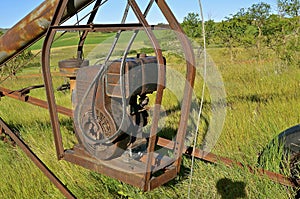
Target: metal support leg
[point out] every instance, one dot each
(64, 190)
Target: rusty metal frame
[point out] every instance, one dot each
(190, 78)
(85, 33)
(48, 79)
(145, 179)
(213, 158)
(202, 155)
(107, 27)
(32, 100)
(77, 155)
(12, 42)
(149, 181)
(159, 94)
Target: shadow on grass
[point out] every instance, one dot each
(231, 190)
(262, 98)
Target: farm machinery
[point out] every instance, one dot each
(109, 100)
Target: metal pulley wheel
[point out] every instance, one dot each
(97, 124)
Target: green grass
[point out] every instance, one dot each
(262, 100)
(63, 39)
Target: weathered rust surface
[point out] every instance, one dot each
(160, 87)
(47, 17)
(34, 26)
(213, 158)
(190, 77)
(49, 37)
(31, 100)
(26, 31)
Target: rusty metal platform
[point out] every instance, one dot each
(131, 172)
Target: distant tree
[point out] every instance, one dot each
(16, 64)
(243, 24)
(254, 27)
(242, 15)
(192, 25)
(289, 7)
(282, 32)
(229, 33)
(245, 29)
(210, 30)
(282, 38)
(258, 15)
(275, 32)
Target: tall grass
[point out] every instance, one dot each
(262, 100)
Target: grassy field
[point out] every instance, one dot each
(262, 100)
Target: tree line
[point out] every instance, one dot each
(254, 28)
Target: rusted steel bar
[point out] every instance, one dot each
(64, 190)
(107, 27)
(34, 26)
(190, 77)
(48, 79)
(212, 158)
(29, 29)
(160, 88)
(114, 168)
(31, 100)
(27, 90)
(85, 33)
(162, 179)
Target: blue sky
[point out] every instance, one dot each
(13, 10)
